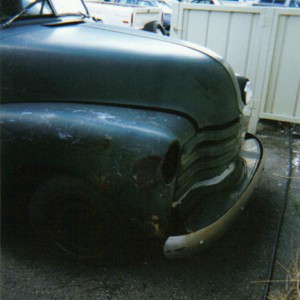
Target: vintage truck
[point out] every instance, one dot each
(110, 133)
(162, 4)
(137, 17)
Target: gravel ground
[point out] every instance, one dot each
(235, 267)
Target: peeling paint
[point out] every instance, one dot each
(76, 141)
(48, 116)
(64, 135)
(104, 116)
(78, 111)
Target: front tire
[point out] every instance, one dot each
(155, 28)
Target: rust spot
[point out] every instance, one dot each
(145, 170)
(155, 227)
(101, 182)
(107, 142)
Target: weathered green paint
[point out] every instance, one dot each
(120, 151)
(115, 110)
(93, 64)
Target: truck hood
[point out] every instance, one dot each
(94, 63)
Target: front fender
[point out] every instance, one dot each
(118, 150)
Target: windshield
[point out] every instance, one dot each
(13, 10)
(39, 8)
(60, 7)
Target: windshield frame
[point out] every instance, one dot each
(40, 9)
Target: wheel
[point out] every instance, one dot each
(71, 215)
(155, 28)
(159, 31)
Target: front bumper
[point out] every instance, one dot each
(185, 245)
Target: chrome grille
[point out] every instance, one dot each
(207, 155)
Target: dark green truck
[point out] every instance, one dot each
(108, 132)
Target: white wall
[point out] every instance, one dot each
(262, 43)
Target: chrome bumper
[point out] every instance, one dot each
(185, 245)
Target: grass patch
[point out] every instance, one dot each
(291, 291)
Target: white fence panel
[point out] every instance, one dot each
(283, 90)
(261, 43)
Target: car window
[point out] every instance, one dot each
(202, 1)
(163, 4)
(125, 2)
(295, 3)
(144, 3)
(274, 2)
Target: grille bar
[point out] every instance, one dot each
(207, 155)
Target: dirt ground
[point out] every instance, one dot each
(235, 267)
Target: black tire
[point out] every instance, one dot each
(71, 215)
(155, 28)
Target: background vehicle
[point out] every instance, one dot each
(165, 6)
(214, 2)
(110, 134)
(110, 13)
(280, 3)
(225, 2)
(239, 2)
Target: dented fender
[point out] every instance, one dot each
(119, 150)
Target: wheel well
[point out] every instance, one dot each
(18, 186)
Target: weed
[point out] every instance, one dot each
(291, 291)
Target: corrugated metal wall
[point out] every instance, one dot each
(260, 42)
